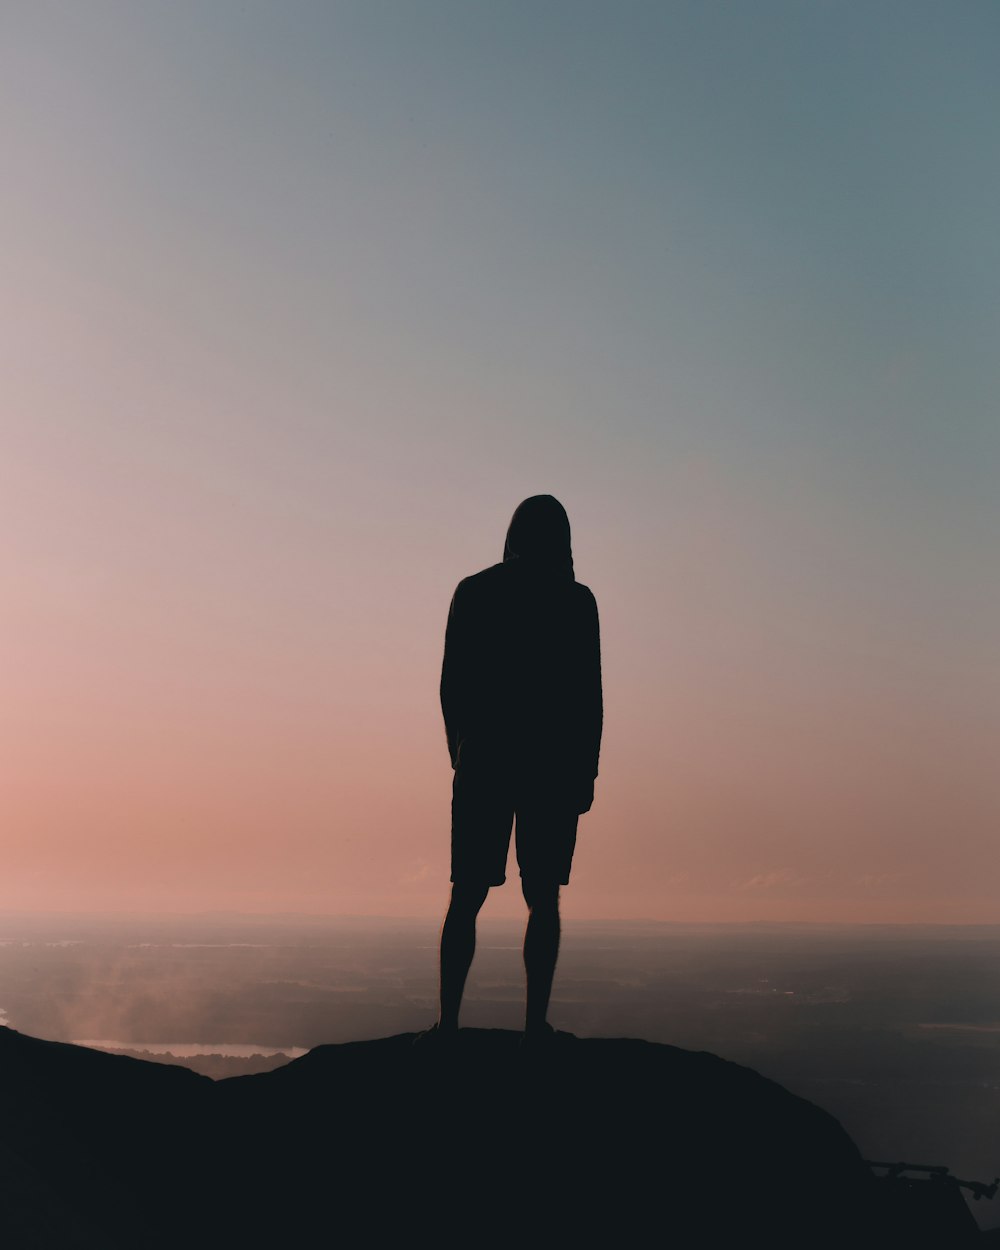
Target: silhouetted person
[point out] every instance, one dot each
(522, 702)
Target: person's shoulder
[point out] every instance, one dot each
(480, 583)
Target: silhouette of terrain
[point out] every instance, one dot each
(589, 1142)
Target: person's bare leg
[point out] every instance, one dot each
(541, 950)
(458, 945)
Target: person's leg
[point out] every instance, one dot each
(458, 945)
(541, 950)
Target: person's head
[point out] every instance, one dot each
(538, 537)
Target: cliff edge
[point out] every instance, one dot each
(589, 1142)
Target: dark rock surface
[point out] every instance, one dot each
(593, 1142)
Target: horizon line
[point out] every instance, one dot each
(234, 914)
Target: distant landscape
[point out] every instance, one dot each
(893, 1029)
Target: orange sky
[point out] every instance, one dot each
(297, 314)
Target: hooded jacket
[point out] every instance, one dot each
(521, 678)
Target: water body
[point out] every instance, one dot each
(195, 946)
(191, 1050)
(965, 1028)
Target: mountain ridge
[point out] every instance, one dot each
(592, 1140)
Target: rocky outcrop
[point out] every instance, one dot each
(593, 1142)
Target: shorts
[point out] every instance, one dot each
(483, 808)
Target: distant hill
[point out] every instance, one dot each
(609, 1142)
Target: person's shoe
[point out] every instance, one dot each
(538, 1040)
(435, 1037)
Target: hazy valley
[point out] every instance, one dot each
(893, 1029)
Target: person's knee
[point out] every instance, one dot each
(541, 896)
(467, 898)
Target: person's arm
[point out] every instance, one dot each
(454, 673)
(592, 702)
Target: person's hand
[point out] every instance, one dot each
(585, 796)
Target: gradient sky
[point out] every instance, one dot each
(301, 299)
